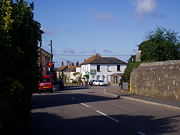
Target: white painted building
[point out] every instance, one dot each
(69, 72)
(103, 68)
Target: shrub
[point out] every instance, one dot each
(126, 76)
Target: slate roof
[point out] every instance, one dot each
(96, 59)
(62, 68)
(71, 69)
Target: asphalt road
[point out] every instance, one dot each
(89, 111)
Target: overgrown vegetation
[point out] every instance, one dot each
(131, 65)
(160, 45)
(19, 36)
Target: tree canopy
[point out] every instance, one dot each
(160, 45)
(19, 36)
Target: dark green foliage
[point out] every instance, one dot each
(178, 49)
(131, 65)
(132, 58)
(126, 76)
(159, 51)
(159, 46)
(19, 36)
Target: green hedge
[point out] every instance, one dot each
(126, 76)
(19, 36)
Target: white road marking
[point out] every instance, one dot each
(141, 133)
(73, 98)
(108, 116)
(84, 105)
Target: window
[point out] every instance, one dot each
(98, 68)
(118, 68)
(45, 80)
(109, 68)
(98, 77)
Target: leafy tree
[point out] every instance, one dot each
(159, 46)
(19, 36)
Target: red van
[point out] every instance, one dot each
(46, 83)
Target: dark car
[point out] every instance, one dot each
(60, 84)
(91, 82)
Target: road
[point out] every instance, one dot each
(89, 111)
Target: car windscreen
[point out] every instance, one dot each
(45, 80)
(101, 81)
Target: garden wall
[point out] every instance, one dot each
(157, 79)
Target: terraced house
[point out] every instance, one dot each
(109, 69)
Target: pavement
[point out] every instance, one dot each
(149, 100)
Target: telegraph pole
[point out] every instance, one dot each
(41, 56)
(51, 50)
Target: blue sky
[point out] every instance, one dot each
(81, 28)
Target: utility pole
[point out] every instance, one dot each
(51, 50)
(40, 49)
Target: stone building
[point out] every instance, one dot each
(44, 58)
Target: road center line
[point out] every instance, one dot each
(141, 133)
(84, 105)
(108, 116)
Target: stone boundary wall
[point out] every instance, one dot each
(157, 79)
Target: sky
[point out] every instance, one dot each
(112, 28)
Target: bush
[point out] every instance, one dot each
(126, 76)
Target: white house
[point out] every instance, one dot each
(109, 69)
(69, 72)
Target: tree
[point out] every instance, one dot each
(19, 36)
(160, 45)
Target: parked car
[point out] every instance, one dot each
(60, 84)
(91, 82)
(46, 83)
(99, 83)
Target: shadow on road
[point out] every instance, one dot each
(75, 88)
(46, 124)
(59, 99)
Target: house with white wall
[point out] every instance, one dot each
(60, 71)
(69, 73)
(109, 69)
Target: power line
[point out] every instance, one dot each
(91, 54)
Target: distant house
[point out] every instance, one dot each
(60, 71)
(109, 69)
(69, 72)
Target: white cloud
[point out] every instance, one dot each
(144, 7)
(107, 51)
(68, 51)
(104, 16)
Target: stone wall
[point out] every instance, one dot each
(157, 79)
